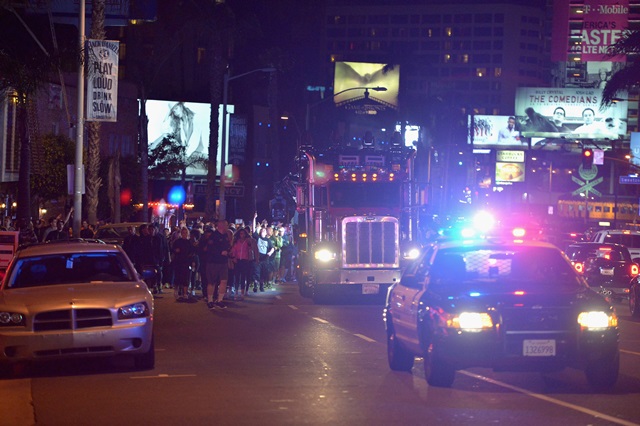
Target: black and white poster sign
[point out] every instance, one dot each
(102, 80)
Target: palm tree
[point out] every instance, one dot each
(629, 76)
(94, 181)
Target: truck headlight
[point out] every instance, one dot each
(325, 255)
(597, 320)
(411, 253)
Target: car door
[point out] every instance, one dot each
(404, 301)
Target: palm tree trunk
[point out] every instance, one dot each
(218, 66)
(93, 152)
(24, 172)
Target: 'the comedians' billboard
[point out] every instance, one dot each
(189, 123)
(351, 79)
(569, 113)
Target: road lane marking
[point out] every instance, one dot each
(295, 308)
(584, 410)
(630, 352)
(164, 376)
(365, 338)
(320, 320)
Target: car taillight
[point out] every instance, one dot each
(635, 270)
(579, 267)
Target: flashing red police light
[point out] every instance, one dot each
(587, 158)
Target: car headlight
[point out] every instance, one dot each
(597, 320)
(11, 319)
(137, 310)
(471, 321)
(325, 255)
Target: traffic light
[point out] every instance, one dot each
(587, 158)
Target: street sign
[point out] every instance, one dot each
(234, 191)
(630, 180)
(587, 186)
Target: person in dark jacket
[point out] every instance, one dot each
(183, 252)
(216, 251)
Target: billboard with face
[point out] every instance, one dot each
(569, 113)
(188, 122)
(497, 131)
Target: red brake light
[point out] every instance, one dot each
(579, 267)
(635, 270)
(518, 292)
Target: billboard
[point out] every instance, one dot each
(351, 78)
(510, 167)
(189, 123)
(571, 113)
(496, 131)
(601, 23)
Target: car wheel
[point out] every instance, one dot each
(633, 305)
(399, 358)
(437, 372)
(305, 289)
(147, 360)
(602, 374)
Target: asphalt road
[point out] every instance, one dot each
(277, 359)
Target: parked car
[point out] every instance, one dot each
(115, 233)
(629, 239)
(506, 305)
(72, 299)
(608, 268)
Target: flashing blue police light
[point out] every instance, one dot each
(177, 195)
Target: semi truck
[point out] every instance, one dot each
(358, 215)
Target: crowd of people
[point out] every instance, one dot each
(218, 259)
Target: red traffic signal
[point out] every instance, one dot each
(587, 158)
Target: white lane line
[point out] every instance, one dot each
(587, 411)
(630, 352)
(163, 376)
(320, 320)
(365, 338)
(295, 308)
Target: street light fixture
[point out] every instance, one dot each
(223, 152)
(366, 89)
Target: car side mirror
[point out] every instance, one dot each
(148, 272)
(411, 281)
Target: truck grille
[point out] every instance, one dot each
(370, 242)
(72, 319)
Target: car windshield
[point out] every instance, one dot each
(629, 240)
(605, 253)
(111, 232)
(503, 270)
(74, 268)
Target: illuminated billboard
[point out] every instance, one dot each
(510, 167)
(189, 123)
(570, 113)
(351, 79)
(496, 131)
(601, 23)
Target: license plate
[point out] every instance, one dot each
(608, 272)
(370, 289)
(539, 348)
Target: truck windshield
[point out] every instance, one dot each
(365, 194)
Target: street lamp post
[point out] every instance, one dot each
(223, 152)
(309, 106)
